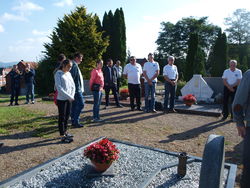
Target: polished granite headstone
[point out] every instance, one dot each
(212, 167)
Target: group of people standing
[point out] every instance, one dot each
(70, 87)
(16, 76)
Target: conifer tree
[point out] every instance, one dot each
(219, 55)
(75, 32)
(195, 58)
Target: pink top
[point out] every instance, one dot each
(96, 78)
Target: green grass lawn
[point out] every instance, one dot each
(17, 118)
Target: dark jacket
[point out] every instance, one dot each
(15, 79)
(76, 76)
(29, 77)
(107, 81)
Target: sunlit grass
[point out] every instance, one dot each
(17, 118)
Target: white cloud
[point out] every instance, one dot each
(28, 49)
(26, 6)
(63, 3)
(11, 17)
(1, 28)
(40, 33)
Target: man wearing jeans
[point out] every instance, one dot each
(133, 71)
(29, 77)
(170, 74)
(241, 111)
(78, 103)
(151, 70)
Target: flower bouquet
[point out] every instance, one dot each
(189, 99)
(124, 93)
(102, 154)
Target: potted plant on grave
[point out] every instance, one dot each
(124, 94)
(102, 154)
(189, 99)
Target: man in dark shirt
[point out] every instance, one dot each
(15, 76)
(110, 82)
(29, 77)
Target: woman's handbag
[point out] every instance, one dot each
(96, 87)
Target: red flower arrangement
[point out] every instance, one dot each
(103, 151)
(124, 93)
(189, 98)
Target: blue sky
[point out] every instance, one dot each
(26, 24)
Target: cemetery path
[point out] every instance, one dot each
(173, 132)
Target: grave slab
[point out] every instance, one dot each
(136, 166)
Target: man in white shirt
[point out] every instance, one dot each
(133, 71)
(231, 79)
(170, 74)
(118, 68)
(151, 70)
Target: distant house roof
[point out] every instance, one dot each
(4, 70)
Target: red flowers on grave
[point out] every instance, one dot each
(102, 154)
(189, 99)
(124, 93)
(103, 151)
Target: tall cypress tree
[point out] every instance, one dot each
(107, 26)
(195, 58)
(219, 55)
(192, 49)
(117, 36)
(98, 24)
(123, 39)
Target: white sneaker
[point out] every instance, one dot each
(33, 102)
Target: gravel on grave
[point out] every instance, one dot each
(168, 177)
(133, 167)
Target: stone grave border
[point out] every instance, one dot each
(232, 168)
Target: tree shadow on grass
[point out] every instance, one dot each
(192, 133)
(38, 132)
(18, 124)
(8, 149)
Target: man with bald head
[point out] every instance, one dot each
(231, 79)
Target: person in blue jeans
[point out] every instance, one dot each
(96, 84)
(29, 77)
(151, 70)
(241, 115)
(170, 74)
(78, 103)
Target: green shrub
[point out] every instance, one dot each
(180, 85)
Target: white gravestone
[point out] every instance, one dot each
(198, 87)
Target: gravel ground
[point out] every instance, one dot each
(174, 132)
(132, 168)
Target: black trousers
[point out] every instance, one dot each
(135, 93)
(245, 178)
(64, 108)
(118, 85)
(15, 91)
(227, 95)
(114, 91)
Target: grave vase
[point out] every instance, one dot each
(189, 103)
(101, 167)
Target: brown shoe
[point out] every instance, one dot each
(172, 111)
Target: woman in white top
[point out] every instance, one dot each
(65, 87)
